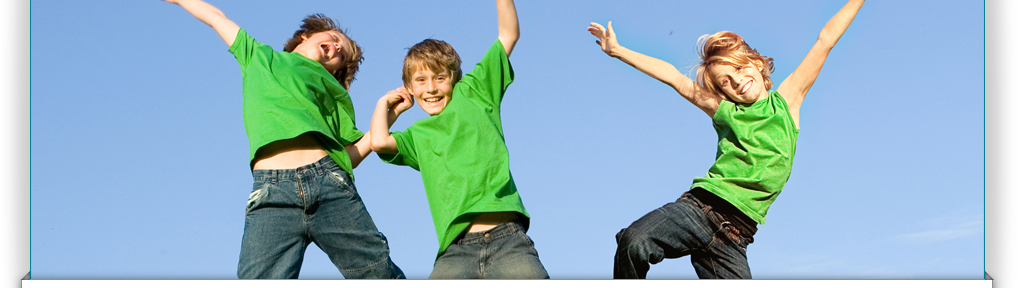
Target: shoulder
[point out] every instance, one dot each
(493, 57)
(723, 110)
(779, 102)
(242, 40)
(778, 98)
(244, 45)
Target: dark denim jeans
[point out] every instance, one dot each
(318, 203)
(504, 252)
(707, 229)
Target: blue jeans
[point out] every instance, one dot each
(290, 208)
(708, 229)
(504, 252)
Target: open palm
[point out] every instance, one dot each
(605, 37)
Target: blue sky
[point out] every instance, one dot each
(139, 157)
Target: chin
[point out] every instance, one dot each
(439, 111)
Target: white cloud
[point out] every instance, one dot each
(959, 230)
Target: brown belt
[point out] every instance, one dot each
(724, 212)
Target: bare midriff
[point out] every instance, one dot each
(486, 221)
(289, 153)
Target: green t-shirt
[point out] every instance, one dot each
(287, 94)
(756, 144)
(461, 152)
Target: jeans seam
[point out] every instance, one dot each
(369, 267)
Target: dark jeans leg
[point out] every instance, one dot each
(678, 229)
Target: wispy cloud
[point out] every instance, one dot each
(954, 231)
(821, 266)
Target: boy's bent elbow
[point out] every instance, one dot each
(377, 147)
(382, 146)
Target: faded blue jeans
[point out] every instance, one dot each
(290, 208)
(712, 232)
(504, 252)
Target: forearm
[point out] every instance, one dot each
(795, 87)
(359, 149)
(381, 140)
(213, 17)
(656, 68)
(508, 25)
(836, 27)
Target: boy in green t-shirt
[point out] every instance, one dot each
(715, 221)
(304, 146)
(461, 154)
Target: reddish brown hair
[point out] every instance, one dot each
(320, 23)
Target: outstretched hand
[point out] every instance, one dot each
(605, 37)
(211, 16)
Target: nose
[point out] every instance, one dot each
(430, 86)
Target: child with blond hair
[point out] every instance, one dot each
(757, 131)
(461, 153)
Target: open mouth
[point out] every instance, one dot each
(327, 50)
(746, 86)
(433, 99)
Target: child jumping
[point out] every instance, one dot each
(461, 154)
(303, 145)
(716, 219)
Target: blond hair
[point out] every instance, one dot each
(728, 48)
(436, 55)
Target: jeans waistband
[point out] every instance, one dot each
(321, 167)
(500, 230)
(710, 202)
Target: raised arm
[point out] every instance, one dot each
(656, 68)
(508, 25)
(211, 16)
(794, 88)
(386, 111)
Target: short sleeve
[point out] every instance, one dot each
(244, 48)
(491, 76)
(407, 154)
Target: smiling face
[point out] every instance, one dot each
(327, 47)
(741, 83)
(730, 68)
(432, 91)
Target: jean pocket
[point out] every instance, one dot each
(253, 198)
(525, 243)
(341, 180)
